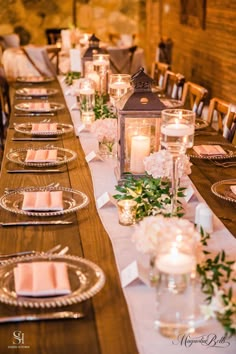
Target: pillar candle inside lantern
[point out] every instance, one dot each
(140, 148)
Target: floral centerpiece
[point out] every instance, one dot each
(153, 191)
(106, 132)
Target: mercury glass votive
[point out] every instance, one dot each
(127, 211)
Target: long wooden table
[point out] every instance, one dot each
(106, 327)
(205, 174)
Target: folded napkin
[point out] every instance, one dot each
(41, 155)
(209, 150)
(43, 201)
(35, 78)
(35, 91)
(41, 279)
(233, 189)
(44, 127)
(39, 106)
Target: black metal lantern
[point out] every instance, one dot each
(87, 59)
(139, 118)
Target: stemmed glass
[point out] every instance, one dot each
(177, 135)
(119, 84)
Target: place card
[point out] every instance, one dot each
(81, 128)
(233, 189)
(75, 107)
(188, 193)
(133, 273)
(105, 199)
(92, 156)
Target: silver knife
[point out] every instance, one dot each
(34, 114)
(31, 98)
(32, 222)
(35, 171)
(43, 316)
(34, 139)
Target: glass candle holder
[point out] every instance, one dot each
(87, 101)
(127, 211)
(101, 66)
(177, 135)
(178, 291)
(87, 94)
(119, 84)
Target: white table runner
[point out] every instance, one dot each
(141, 298)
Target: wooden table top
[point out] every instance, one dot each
(106, 326)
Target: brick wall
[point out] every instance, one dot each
(205, 56)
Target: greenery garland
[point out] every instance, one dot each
(215, 273)
(153, 195)
(72, 75)
(102, 108)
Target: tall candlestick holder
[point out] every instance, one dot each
(177, 135)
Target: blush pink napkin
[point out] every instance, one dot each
(41, 279)
(35, 78)
(41, 155)
(43, 201)
(44, 127)
(39, 106)
(36, 91)
(233, 189)
(209, 150)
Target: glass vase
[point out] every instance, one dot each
(107, 149)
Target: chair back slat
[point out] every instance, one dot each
(194, 97)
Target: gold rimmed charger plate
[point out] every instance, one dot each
(227, 147)
(34, 79)
(26, 128)
(73, 200)
(25, 91)
(28, 107)
(64, 156)
(85, 277)
(222, 190)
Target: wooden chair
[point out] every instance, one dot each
(53, 54)
(221, 115)
(194, 97)
(173, 85)
(5, 106)
(158, 72)
(53, 35)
